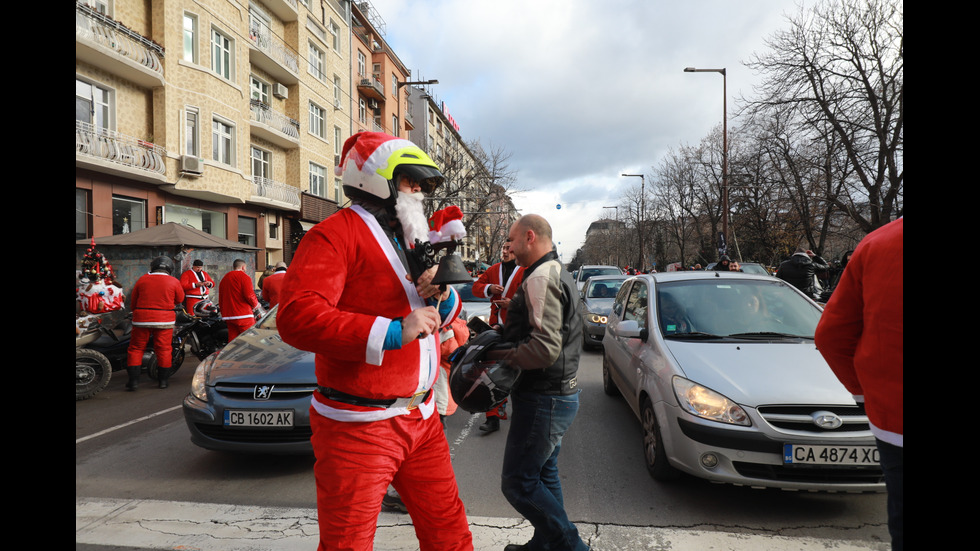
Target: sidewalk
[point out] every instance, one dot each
(146, 524)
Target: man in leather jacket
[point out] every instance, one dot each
(545, 326)
(800, 268)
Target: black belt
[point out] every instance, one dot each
(411, 402)
(551, 388)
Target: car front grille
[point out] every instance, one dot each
(800, 418)
(255, 436)
(811, 474)
(279, 392)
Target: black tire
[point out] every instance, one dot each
(92, 373)
(654, 454)
(608, 385)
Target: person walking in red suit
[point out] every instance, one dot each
(356, 297)
(195, 283)
(236, 300)
(499, 283)
(152, 300)
(272, 285)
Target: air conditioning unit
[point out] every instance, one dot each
(337, 104)
(280, 91)
(191, 165)
(373, 104)
(336, 160)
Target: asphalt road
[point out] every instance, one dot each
(135, 445)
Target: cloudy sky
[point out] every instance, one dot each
(581, 91)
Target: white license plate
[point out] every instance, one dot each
(829, 455)
(259, 418)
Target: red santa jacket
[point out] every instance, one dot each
(272, 286)
(344, 286)
(236, 296)
(153, 299)
(861, 331)
(494, 276)
(189, 281)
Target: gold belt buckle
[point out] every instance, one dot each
(412, 404)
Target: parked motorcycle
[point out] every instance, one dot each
(101, 349)
(204, 331)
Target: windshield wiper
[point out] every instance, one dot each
(693, 335)
(770, 334)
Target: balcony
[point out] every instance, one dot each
(111, 152)
(275, 194)
(274, 126)
(111, 46)
(285, 10)
(270, 54)
(316, 208)
(371, 87)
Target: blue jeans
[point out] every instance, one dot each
(529, 479)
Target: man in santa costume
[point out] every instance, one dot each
(237, 301)
(357, 297)
(272, 285)
(195, 283)
(499, 283)
(152, 300)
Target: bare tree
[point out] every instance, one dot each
(839, 71)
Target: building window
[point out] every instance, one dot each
(222, 142)
(338, 190)
(93, 104)
(128, 215)
(318, 180)
(361, 110)
(361, 64)
(190, 38)
(318, 63)
(318, 119)
(395, 131)
(192, 130)
(394, 85)
(260, 90)
(337, 89)
(82, 216)
(204, 220)
(338, 140)
(246, 230)
(335, 35)
(261, 163)
(222, 54)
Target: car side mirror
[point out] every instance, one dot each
(630, 329)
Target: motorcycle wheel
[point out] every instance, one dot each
(152, 366)
(92, 373)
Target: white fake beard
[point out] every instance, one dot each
(411, 214)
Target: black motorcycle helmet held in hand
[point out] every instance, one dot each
(479, 384)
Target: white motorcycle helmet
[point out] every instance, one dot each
(372, 161)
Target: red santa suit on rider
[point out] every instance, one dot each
(196, 283)
(355, 296)
(499, 283)
(152, 300)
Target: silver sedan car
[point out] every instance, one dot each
(598, 295)
(722, 372)
(253, 396)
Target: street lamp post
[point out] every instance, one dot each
(642, 209)
(406, 83)
(724, 153)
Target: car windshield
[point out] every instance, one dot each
(465, 291)
(753, 269)
(606, 288)
(744, 308)
(586, 273)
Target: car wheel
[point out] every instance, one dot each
(607, 383)
(653, 446)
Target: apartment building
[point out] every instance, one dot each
(226, 115)
(378, 103)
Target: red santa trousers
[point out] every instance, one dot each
(355, 462)
(162, 343)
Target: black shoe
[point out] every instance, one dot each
(163, 373)
(134, 378)
(492, 425)
(516, 547)
(394, 502)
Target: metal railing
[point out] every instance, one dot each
(109, 145)
(275, 191)
(264, 40)
(99, 29)
(264, 114)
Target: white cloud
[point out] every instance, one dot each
(580, 91)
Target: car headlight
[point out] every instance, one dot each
(596, 318)
(708, 404)
(200, 379)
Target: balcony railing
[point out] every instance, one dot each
(272, 46)
(264, 114)
(275, 191)
(103, 31)
(112, 146)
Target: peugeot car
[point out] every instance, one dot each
(722, 372)
(253, 395)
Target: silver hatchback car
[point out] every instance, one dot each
(722, 372)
